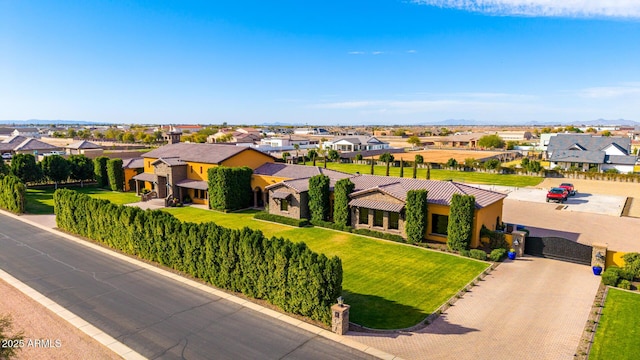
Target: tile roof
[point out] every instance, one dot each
(171, 161)
(280, 195)
(204, 153)
(377, 205)
(588, 142)
(83, 144)
(145, 177)
(193, 184)
(34, 144)
(133, 163)
(583, 156)
(621, 159)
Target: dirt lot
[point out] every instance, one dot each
(441, 156)
(39, 323)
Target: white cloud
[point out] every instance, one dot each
(356, 53)
(377, 52)
(560, 8)
(411, 51)
(630, 89)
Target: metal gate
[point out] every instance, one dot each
(558, 248)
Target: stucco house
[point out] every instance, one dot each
(182, 169)
(18, 144)
(83, 147)
(591, 152)
(355, 143)
(378, 202)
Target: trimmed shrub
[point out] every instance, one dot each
(12, 192)
(477, 254)
(115, 172)
(100, 169)
(624, 284)
(288, 275)
(330, 225)
(281, 219)
(230, 187)
(379, 235)
(416, 215)
(460, 228)
(465, 253)
(341, 191)
(632, 263)
(611, 276)
(497, 254)
(319, 197)
(24, 166)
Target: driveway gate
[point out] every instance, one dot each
(558, 248)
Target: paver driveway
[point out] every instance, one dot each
(530, 308)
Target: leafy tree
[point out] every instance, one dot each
(115, 172)
(319, 197)
(341, 192)
(313, 154)
(128, 138)
(414, 141)
(81, 168)
(591, 130)
(417, 160)
(12, 194)
(100, 170)
(297, 148)
(399, 132)
(416, 215)
(387, 158)
(491, 141)
(333, 155)
(511, 145)
(606, 133)
(8, 352)
(460, 227)
(469, 162)
(492, 164)
(4, 169)
(534, 166)
(452, 163)
(285, 155)
(55, 168)
(71, 133)
(358, 157)
(24, 166)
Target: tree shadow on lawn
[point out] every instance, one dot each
(35, 203)
(375, 312)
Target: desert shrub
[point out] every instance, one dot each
(611, 276)
(477, 254)
(281, 219)
(624, 284)
(497, 254)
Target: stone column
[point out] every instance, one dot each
(518, 242)
(599, 255)
(340, 318)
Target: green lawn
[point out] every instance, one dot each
(618, 332)
(440, 174)
(389, 285)
(40, 201)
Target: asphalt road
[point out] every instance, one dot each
(155, 316)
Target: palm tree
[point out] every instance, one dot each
(401, 168)
(372, 163)
(297, 147)
(313, 154)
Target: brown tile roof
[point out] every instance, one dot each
(280, 195)
(377, 205)
(145, 177)
(34, 144)
(440, 192)
(204, 153)
(83, 144)
(133, 163)
(172, 161)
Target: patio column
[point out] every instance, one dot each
(255, 199)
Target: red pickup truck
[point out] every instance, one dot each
(557, 194)
(569, 187)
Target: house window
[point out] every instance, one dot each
(200, 194)
(191, 169)
(284, 205)
(363, 217)
(439, 224)
(378, 216)
(394, 218)
(200, 169)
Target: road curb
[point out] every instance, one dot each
(206, 288)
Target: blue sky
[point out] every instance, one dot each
(331, 62)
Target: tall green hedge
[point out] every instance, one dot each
(230, 188)
(319, 198)
(341, 191)
(288, 275)
(416, 215)
(115, 172)
(12, 192)
(100, 168)
(460, 228)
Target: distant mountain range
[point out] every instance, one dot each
(448, 122)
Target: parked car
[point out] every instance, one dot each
(7, 156)
(557, 194)
(569, 187)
